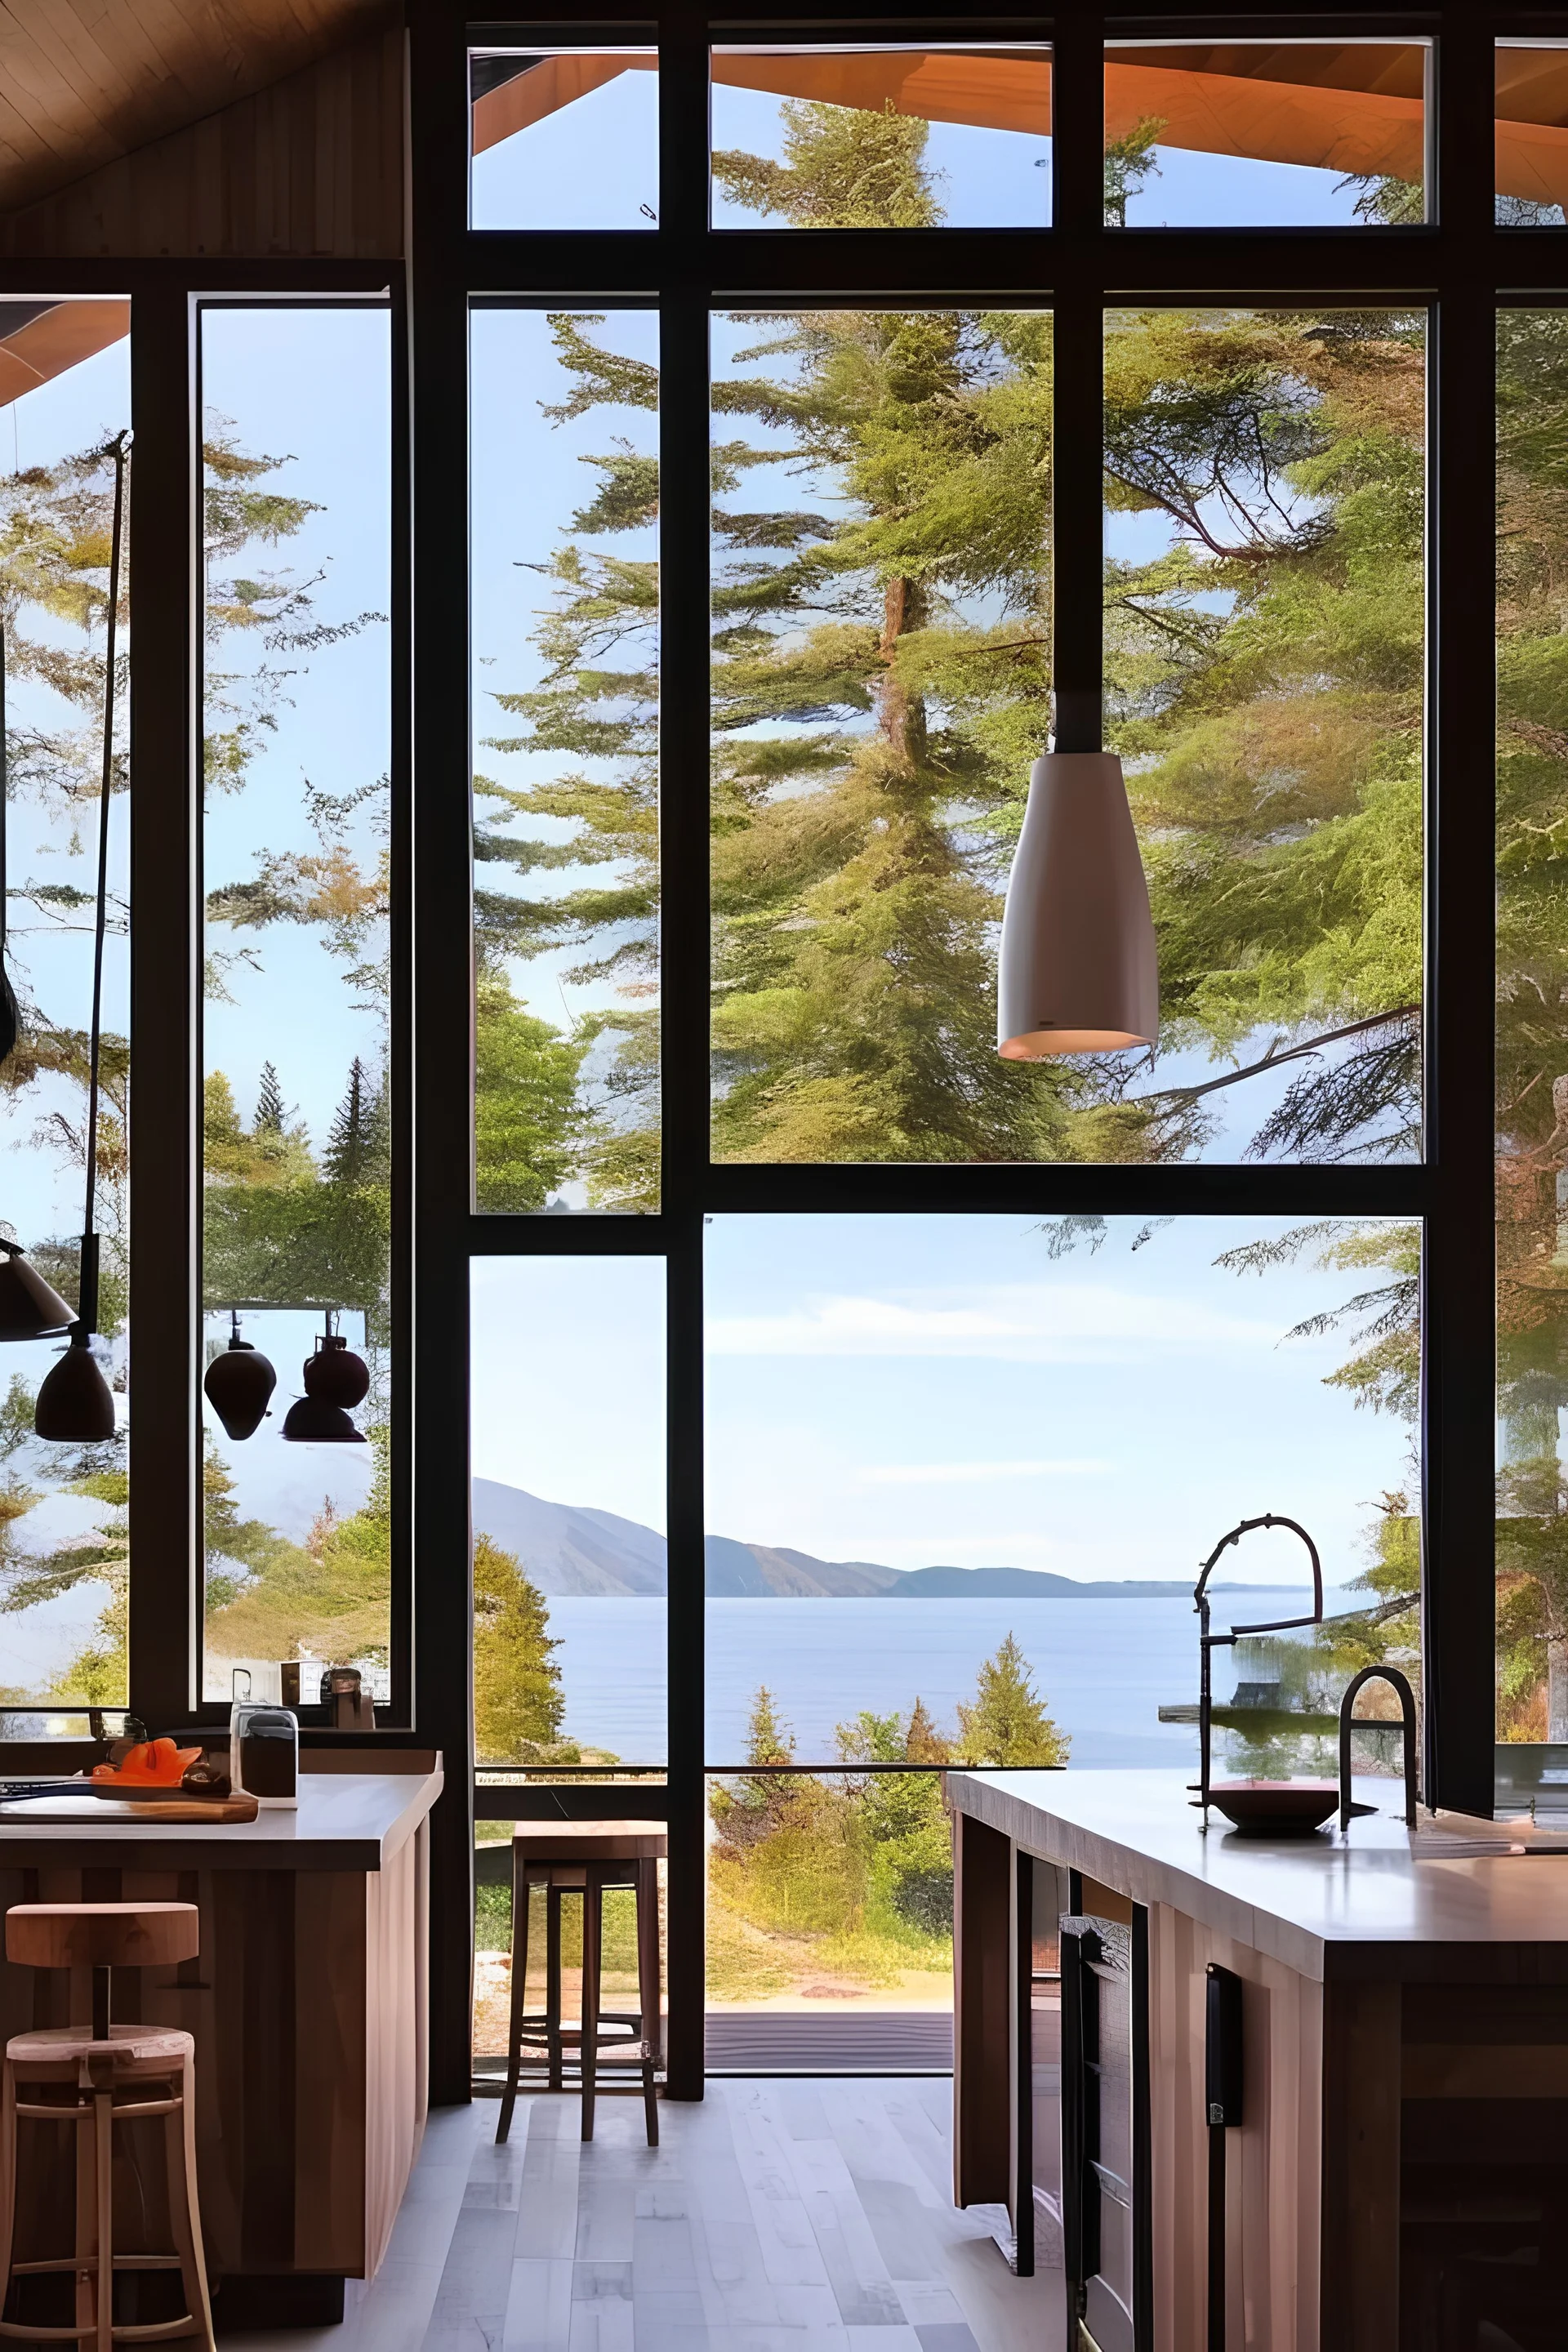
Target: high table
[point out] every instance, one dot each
(1271, 2093)
(308, 2005)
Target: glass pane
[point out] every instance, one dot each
(297, 1204)
(1532, 133)
(564, 137)
(812, 137)
(64, 394)
(568, 1511)
(566, 696)
(1232, 134)
(1264, 634)
(881, 684)
(830, 1918)
(1025, 1437)
(1532, 1027)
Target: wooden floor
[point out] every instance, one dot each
(774, 2217)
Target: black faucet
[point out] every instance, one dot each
(1400, 1683)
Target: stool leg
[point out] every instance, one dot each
(7, 2177)
(552, 1981)
(103, 2213)
(86, 2222)
(592, 1912)
(519, 1988)
(648, 1989)
(184, 2213)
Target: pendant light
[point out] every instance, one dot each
(335, 1377)
(238, 1383)
(29, 1308)
(75, 1403)
(1079, 972)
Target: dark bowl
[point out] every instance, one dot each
(1275, 1808)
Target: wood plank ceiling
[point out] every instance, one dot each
(83, 82)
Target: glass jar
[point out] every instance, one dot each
(264, 1755)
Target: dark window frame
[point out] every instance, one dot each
(1459, 266)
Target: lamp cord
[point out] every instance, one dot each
(86, 1303)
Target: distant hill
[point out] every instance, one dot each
(566, 1549)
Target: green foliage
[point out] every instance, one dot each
(518, 1701)
(844, 167)
(332, 1593)
(527, 1123)
(1129, 161)
(1007, 1723)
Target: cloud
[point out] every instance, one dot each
(1032, 1323)
(964, 1474)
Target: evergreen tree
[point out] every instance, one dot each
(923, 1742)
(518, 1699)
(270, 1115)
(1007, 1725)
(527, 1123)
(356, 1145)
(1129, 161)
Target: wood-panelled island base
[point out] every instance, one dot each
(1398, 2179)
(308, 2006)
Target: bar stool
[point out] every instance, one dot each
(586, 1858)
(112, 2073)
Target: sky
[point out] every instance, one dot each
(940, 1389)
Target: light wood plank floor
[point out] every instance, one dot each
(774, 2217)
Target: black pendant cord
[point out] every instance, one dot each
(86, 1303)
(10, 1013)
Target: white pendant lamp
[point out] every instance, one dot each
(1079, 972)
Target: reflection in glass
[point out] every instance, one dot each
(297, 1110)
(564, 137)
(1263, 628)
(900, 1567)
(1532, 1027)
(565, 693)
(64, 394)
(568, 1511)
(1531, 78)
(1238, 135)
(881, 137)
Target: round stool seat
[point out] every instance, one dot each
(143, 2047)
(101, 1934)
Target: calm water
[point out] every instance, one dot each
(1103, 1667)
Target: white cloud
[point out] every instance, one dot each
(1038, 1323)
(964, 1474)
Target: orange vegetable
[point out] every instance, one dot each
(152, 1763)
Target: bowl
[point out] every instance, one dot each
(1275, 1808)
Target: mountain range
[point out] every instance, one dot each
(566, 1549)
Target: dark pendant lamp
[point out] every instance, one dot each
(238, 1383)
(1079, 972)
(75, 1403)
(335, 1379)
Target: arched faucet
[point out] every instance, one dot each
(1400, 1685)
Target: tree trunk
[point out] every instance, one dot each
(902, 719)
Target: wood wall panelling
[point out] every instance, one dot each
(84, 82)
(310, 165)
(1361, 2167)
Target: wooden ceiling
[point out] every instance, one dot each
(83, 82)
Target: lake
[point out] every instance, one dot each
(1103, 1667)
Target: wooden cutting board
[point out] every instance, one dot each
(106, 1811)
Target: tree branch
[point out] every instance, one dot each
(1274, 1059)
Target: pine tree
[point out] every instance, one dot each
(923, 1742)
(270, 1115)
(1008, 1724)
(518, 1700)
(355, 1153)
(527, 1123)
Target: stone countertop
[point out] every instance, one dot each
(1380, 1900)
(345, 1820)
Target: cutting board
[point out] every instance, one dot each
(105, 1811)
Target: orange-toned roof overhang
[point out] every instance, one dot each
(1350, 106)
(40, 340)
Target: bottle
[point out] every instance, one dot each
(264, 1756)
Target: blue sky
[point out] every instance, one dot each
(931, 1388)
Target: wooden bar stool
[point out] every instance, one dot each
(585, 1858)
(94, 2077)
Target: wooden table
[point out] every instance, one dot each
(1400, 2171)
(308, 2003)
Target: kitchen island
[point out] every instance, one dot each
(1377, 2021)
(308, 2006)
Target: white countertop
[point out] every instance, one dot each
(1324, 1904)
(345, 1820)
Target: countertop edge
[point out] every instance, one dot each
(208, 1846)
